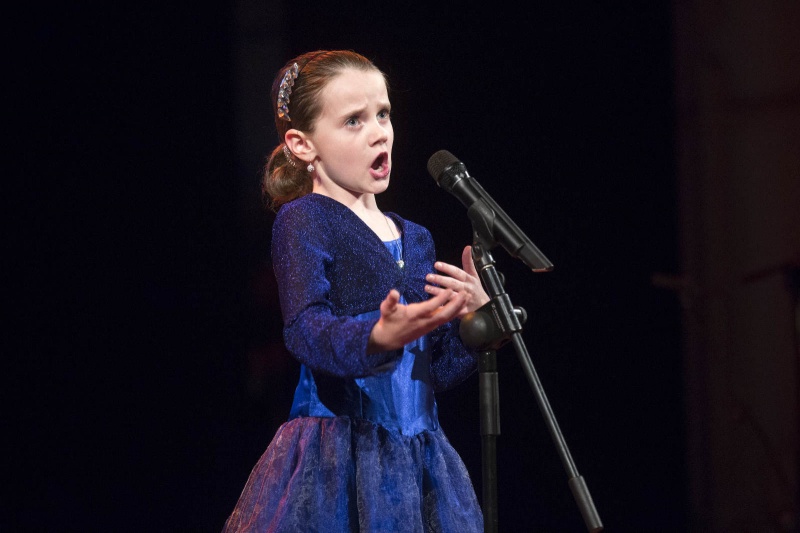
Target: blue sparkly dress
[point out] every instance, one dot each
(362, 450)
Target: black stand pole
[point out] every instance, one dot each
(490, 429)
(487, 329)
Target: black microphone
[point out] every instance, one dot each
(451, 175)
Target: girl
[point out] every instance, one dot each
(374, 328)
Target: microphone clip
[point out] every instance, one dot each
(491, 325)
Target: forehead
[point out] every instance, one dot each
(353, 88)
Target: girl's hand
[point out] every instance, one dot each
(461, 281)
(400, 324)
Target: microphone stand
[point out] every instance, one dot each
(487, 329)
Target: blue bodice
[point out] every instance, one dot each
(398, 395)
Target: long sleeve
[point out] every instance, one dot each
(315, 333)
(452, 362)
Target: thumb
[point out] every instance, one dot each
(466, 261)
(389, 304)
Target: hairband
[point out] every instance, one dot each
(288, 82)
(285, 90)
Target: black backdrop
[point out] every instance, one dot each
(147, 374)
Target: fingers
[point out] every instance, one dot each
(451, 309)
(400, 324)
(451, 270)
(432, 313)
(441, 303)
(453, 280)
(440, 298)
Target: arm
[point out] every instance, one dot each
(452, 361)
(303, 252)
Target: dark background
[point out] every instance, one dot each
(147, 374)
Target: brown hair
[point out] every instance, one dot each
(286, 178)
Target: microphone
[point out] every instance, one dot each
(451, 175)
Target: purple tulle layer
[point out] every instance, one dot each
(344, 475)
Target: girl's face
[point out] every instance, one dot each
(353, 136)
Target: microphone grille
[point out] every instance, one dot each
(440, 161)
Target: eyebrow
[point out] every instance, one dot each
(386, 104)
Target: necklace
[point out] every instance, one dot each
(389, 224)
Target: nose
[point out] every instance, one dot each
(380, 132)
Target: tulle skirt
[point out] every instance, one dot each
(331, 475)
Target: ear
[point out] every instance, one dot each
(301, 145)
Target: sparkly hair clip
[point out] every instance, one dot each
(285, 90)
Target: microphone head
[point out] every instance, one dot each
(439, 162)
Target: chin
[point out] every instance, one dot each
(382, 185)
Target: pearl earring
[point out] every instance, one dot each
(310, 168)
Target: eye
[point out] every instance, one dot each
(385, 114)
(352, 121)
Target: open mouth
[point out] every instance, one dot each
(379, 162)
(380, 165)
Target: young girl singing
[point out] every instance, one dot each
(371, 317)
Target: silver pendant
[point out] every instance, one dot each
(401, 263)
